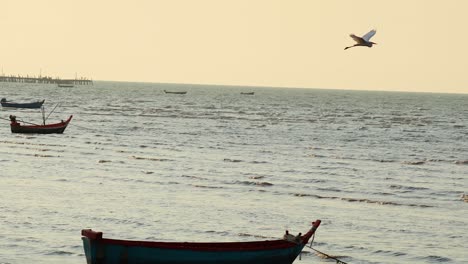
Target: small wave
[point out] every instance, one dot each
(254, 236)
(437, 259)
(45, 156)
(261, 184)
(104, 161)
(224, 233)
(315, 156)
(360, 200)
(59, 252)
(130, 222)
(31, 144)
(62, 180)
(259, 162)
(312, 195)
(206, 187)
(435, 160)
(193, 177)
(420, 162)
(256, 177)
(146, 158)
(369, 201)
(411, 188)
(461, 162)
(388, 252)
(232, 160)
(329, 189)
(383, 160)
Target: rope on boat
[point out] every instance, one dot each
(20, 121)
(320, 252)
(328, 256)
(50, 112)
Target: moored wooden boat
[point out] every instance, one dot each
(99, 250)
(57, 128)
(174, 92)
(69, 85)
(36, 104)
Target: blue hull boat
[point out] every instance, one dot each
(99, 250)
(6, 103)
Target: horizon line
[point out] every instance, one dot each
(284, 87)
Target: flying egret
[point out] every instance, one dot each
(364, 40)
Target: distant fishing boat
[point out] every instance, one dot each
(172, 92)
(30, 128)
(36, 104)
(248, 93)
(99, 250)
(65, 85)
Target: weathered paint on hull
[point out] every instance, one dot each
(27, 130)
(99, 250)
(117, 254)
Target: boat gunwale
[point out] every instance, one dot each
(57, 128)
(48, 126)
(205, 246)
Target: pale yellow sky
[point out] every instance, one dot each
(422, 44)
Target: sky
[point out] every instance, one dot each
(421, 44)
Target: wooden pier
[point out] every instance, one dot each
(45, 80)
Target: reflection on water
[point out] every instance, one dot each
(384, 171)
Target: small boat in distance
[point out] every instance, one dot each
(248, 93)
(99, 250)
(169, 92)
(36, 104)
(70, 85)
(57, 128)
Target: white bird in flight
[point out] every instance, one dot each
(364, 40)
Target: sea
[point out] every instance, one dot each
(385, 172)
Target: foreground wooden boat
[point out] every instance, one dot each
(169, 92)
(99, 250)
(38, 129)
(36, 104)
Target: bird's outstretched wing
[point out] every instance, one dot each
(369, 35)
(359, 40)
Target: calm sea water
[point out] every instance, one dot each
(384, 171)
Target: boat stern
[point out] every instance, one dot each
(90, 240)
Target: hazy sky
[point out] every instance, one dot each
(422, 44)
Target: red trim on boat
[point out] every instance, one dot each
(308, 235)
(56, 125)
(89, 233)
(204, 246)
